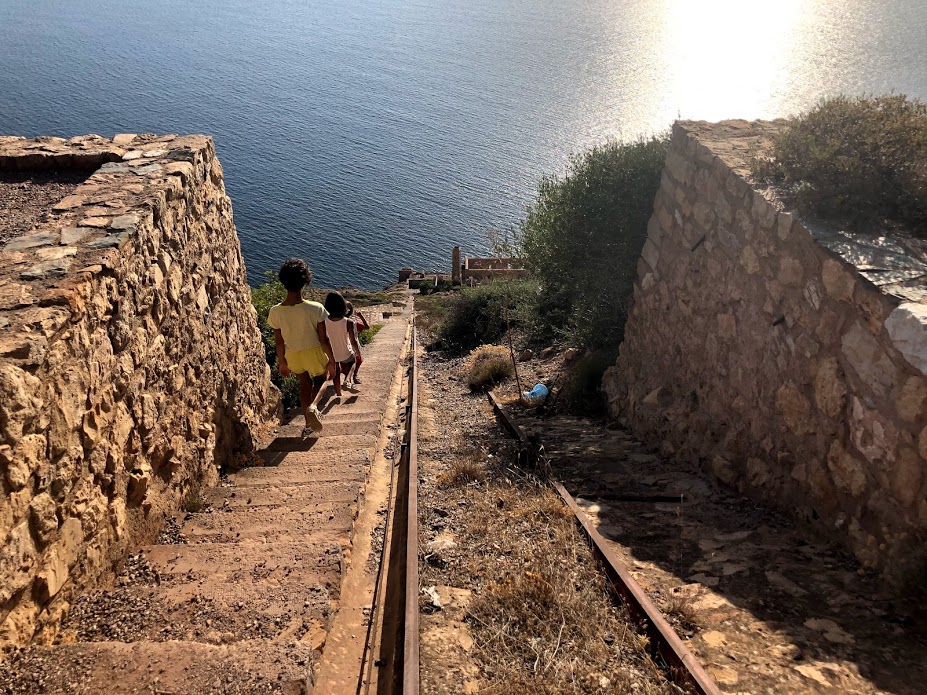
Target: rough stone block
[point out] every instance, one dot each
(829, 388)
(17, 558)
(907, 326)
(790, 271)
(907, 475)
(837, 280)
(651, 254)
(749, 261)
(873, 435)
(727, 326)
(43, 517)
(784, 223)
(911, 401)
(868, 359)
(847, 471)
(795, 409)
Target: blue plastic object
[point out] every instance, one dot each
(539, 391)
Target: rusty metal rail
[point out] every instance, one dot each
(410, 675)
(397, 644)
(681, 665)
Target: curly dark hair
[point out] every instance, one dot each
(335, 305)
(294, 274)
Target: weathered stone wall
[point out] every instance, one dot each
(787, 358)
(131, 367)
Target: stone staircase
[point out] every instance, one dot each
(242, 589)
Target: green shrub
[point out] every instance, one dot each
(489, 365)
(442, 285)
(364, 337)
(583, 236)
(477, 315)
(855, 160)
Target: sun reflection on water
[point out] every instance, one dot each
(727, 58)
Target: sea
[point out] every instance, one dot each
(368, 135)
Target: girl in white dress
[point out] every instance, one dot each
(342, 333)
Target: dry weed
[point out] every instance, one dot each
(489, 365)
(462, 471)
(681, 607)
(547, 505)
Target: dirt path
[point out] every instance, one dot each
(765, 606)
(240, 593)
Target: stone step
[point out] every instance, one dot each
(269, 524)
(314, 458)
(340, 417)
(368, 425)
(324, 443)
(295, 497)
(309, 451)
(316, 552)
(175, 667)
(326, 467)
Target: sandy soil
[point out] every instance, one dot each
(25, 198)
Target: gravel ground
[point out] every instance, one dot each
(767, 606)
(25, 198)
(512, 600)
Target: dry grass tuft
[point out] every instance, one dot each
(463, 471)
(680, 606)
(489, 365)
(547, 505)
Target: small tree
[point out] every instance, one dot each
(583, 236)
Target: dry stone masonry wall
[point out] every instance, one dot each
(131, 367)
(790, 359)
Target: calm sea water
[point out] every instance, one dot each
(369, 135)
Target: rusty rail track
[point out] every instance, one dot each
(410, 675)
(397, 644)
(681, 665)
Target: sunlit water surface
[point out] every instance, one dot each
(366, 136)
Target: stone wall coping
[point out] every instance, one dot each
(894, 264)
(46, 274)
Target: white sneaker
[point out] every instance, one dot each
(313, 419)
(309, 433)
(351, 387)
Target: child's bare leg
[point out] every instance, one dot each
(307, 390)
(317, 383)
(314, 387)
